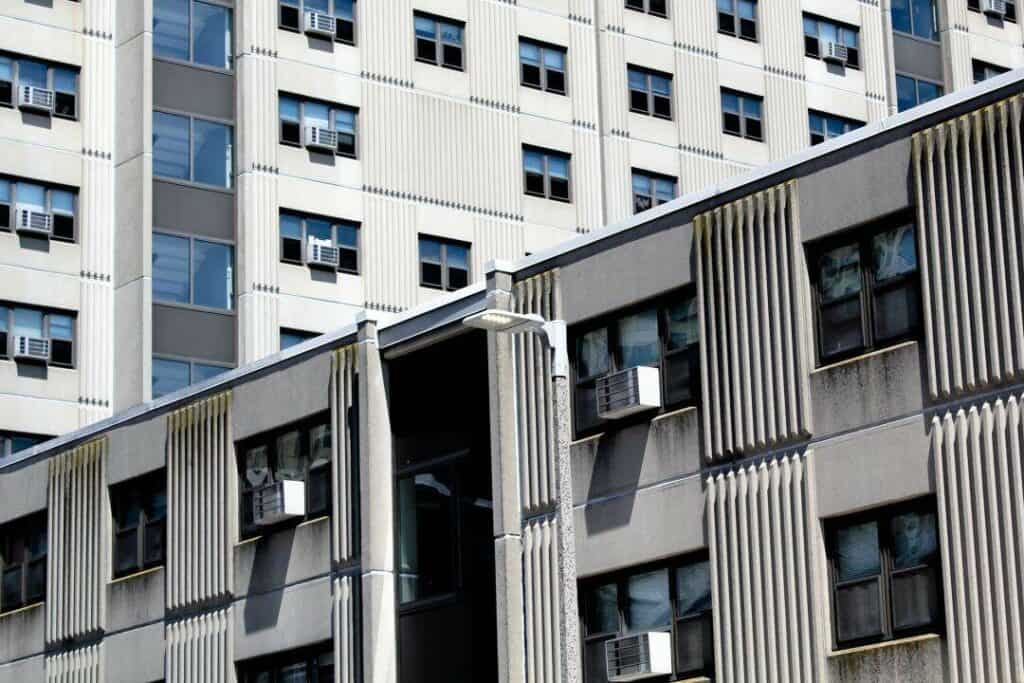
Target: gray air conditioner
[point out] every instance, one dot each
(639, 656)
(994, 8)
(36, 99)
(32, 348)
(628, 391)
(320, 24)
(33, 221)
(835, 53)
(321, 253)
(321, 138)
(278, 502)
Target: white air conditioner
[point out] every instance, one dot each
(628, 391)
(321, 253)
(279, 501)
(994, 8)
(321, 138)
(37, 99)
(641, 655)
(33, 221)
(320, 24)
(32, 348)
(835, 52)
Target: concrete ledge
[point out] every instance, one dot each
(920, 659)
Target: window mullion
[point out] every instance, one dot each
(868, 295)
(140, 541)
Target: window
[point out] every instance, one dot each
(139, 511)
(23, 562)
(868, 289)
(650, 92)
(192, 149)
(439, 41)
(655, 7)
(193, 31)
(546, 173)
(818, 33)
(291, 12)
(885, 574)
(444, 264)
(664, 336)
(13, 442)
(915, 17)
(984, 71)
(297, 116)
(290, 338)
(1009, 14)
(741, 115)
(60, 204)
(826, 126)
(59, 328)
(170, 375)
(911, 91)
(542, 66)
(298, 229)
(187, 270)
(17, 72)
(310, 665)
(298, 452)
(673, 598)
(738, 18)
(651, 189)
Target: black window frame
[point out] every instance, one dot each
(1010, 14)
(299, 6)
(547, 154)
(192, 289)
(7, 334)
(650, 108)
(146, 528)
(231, 179)
(7, 442)
(349, 152)
(304, 239)
(987, 70)
(739, 26)
(812, 44)
(882, 516)
(252, 670)
(849, 125)
(863, 236)
(7, 224)
(620, 579)
(439, 43)
(918, 80)
(230, 68)
(644, 7)
(31, 527)
(15, 83)
(444, 243)
(651, 177)
(304, 334)
(544, 69)
(191, 363)
(742, 117)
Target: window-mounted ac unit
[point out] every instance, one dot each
(32, 348)
(32, 221)
(279, 501)
(321, 253)
(639, 656)
(994, 8)
(321, 138)
(835, 52)
(628, 391)
(36, 99)
(320, 24)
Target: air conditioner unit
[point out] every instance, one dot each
(33, 221)
(321, 253)
(628, 391)
(321, 138)
(994, 8)
(639, 656)
(320, 24)
(37, 99)
(835, 53)
(31, 348)
(279, 501)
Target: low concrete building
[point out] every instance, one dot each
(770, 431)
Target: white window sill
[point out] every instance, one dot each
(899, 642)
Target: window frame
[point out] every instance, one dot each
(917, 87)
(646, 9)
(444, 243)
(913, 34)
(15, 82)
(253, 670)
(841, 28)
(335, 224)
(332, 108)
(737, 26)
(191, 362)
(989, 70)
(439, 41)
(742, 97)
(7, 442)
(1011, 7)
(546, 154)
(649, 75)
(48, 189)
(652, 177)
(191, 181)
(882, 515)
(230, 68)
(301, 7)
(304, 334)
(544, 68)
(192, 239)
(850, 125)
(7, 336)
(150, 485)
(26, 528)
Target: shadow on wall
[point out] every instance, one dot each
(617, 462)
(270, 568)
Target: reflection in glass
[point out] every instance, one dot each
(170, 268)
(214, 282)
(170, 29)
(603, 609)
(693, 588)
(170, 145)
(647, 601)
(593, 353)
(638, 339)
(914, 539)
(426, 545)
(212, 153)
(857, 552)
(169, 376)
(211, 35)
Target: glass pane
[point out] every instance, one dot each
(5, 190)
(319, 445)
(914, 539)
(289, 339)
(858, 611)
(841, 328)
(603, 609)
(683, 324)
(906, 92)
(725, 6)
(345, 120)
(6, 69)
(129, 508)
(257, 467)
(840, 273)
(457, 257)
(693, 588)
(430, 251)
(213, 278)
(647, 601)
(65, 80)
(61, 326)
(836, 127)
(915, 599)
(12, 587)
(294, 673)
(4, 314)
(316, 114)
(61, 200)
(593, 354)
(343, 9)
(642, 184)
(291, 226)
(637, 80)
(810, 27)
(323, 6)
(451, 34)
(665, 190)
(730, 102)
(156, 506)
(901, 15)
(425, 28)
(554, 59)
(529, 53)
(202, 372)
(31, 195)
(595, 662)
(857, 551)
(425, 552)
(290, 461)
(747, 9)
(897, 311)
(169, 376)
(348, 236)
(170, 29)
(213, 153)
(32, 73)
(638, 339)
(288, 108)
(20, 443)
(752, 107)
(558, 166)
(694, 644)
(895, 253)
(211, 35)
(319, 229)
(170, 146)
(682, 376)
(170, 268)
(661, 85)
(923, 18)
(28, 322)
(816, 123)
(533, 162)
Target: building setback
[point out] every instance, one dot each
(786, 446)
(171, 160)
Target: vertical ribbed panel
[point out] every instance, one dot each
(697, 94)
(785, 98)
(978, 474)
(344, 395)
(540, 595)
(968, 176)
(612, 54)
(84, 665)
(583, 71)
(954, 18)
(201, 485)
(390, 250)
(536, 429)
(79, 525)
(495, 239)
(760, 520)
(492, 52)
(754, 353)
(618, 189)
(779, 22)
(385, 40)
(199, 649)
(872, 46)
(586, 179)
(344, 614)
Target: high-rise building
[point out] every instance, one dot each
(188, 185)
